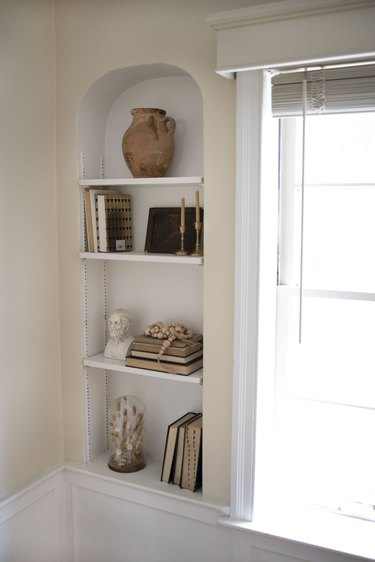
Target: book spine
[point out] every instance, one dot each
(191, 477)
(102, 222)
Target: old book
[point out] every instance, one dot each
(176, 343)
(89, 223)
(179, 450)
(170, 443)
(172, 350)
(191, 473)
(92, 218)
(164, 367)
(114, 221)
(167, 358)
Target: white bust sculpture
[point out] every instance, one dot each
(119, 325)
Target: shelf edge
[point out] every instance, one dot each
(100, 362)
(93, 182)
(142, 257)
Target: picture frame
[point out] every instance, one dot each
(163, 230)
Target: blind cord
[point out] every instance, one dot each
(304, 112)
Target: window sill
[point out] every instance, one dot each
(314, 528)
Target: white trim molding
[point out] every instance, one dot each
(293, 32)
(275, 11)
(249, 111)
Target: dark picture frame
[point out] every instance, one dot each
(163, 234)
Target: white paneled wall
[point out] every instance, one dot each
(32, 522)
(71, 515)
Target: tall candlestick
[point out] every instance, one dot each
(197, 210)
(183, 212)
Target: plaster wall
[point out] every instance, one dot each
(30, 396)
(93, 38)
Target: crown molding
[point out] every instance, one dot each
(284, 9)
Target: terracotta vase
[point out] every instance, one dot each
(148, 144)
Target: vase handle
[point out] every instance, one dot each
(152, 124)
(170, 124)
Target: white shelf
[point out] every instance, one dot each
(194, 180)
(101, 362)
(143, 257)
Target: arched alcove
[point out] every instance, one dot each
(105, 114)
(149, 285)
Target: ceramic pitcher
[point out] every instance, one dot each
(148, 144)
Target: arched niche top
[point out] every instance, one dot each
(104, 115)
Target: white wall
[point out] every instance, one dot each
(30, 397)
(93, 38)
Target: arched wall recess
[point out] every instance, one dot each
(104, 115)
(136, 280)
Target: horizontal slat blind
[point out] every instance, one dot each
(329, 90)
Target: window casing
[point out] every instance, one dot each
(331, 31)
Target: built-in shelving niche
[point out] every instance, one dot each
(104, 116)
(151, 287)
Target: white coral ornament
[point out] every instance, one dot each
(126, 433)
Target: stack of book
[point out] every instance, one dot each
(182, 357)
(108, 221)
(182, 463)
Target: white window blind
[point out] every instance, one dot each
(329, 90)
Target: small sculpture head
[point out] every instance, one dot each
(119, 324)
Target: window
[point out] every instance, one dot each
(321, 396)
(267, 280)
(325, 381)
(314, 38)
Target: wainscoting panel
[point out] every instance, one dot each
(115, 529)
(32, 522)
(71, 515)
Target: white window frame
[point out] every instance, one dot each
(254, 339)
(255, 281)
(255, 285)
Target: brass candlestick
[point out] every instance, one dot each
(182, 251)
(197, 251)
